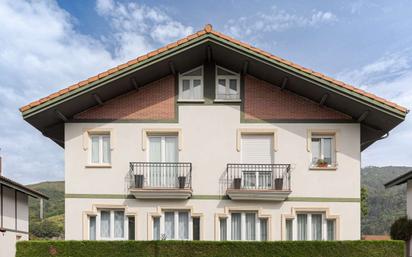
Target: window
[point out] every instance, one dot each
(227, 84)
(100, 149)
(243, 226)
(330, 225)
(92, 227)
(131, 224)
(191, 84)
(176, 225)
(223, 229)
(109, 225)
(196, 228)
(323, 151)
(257, 149)
(289, 229)
(310, 226)
(163, 149)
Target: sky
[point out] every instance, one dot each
(48, 45)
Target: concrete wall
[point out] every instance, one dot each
(15, 216)
(209, 141)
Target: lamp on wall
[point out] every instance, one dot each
(2, 230)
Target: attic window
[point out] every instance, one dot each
(191, 84)
(227, 84)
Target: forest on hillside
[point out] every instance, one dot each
(384, 205)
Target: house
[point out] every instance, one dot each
(209, 138)
(14, 214)
(404, 179)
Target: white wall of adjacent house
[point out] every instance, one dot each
(209, 140)
(14, 216)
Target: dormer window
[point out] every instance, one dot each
(227, 84)
(191, 85)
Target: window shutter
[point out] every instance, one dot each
(257, 149)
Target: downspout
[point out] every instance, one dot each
(374, 140)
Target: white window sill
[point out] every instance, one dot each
(330, 167)
(190, 100)
(227, 101)
(98, 166)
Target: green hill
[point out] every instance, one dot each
(53, 224)
(385, 205)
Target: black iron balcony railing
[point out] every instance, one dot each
(166, 175)
(258, 176)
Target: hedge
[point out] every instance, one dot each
(210, 249)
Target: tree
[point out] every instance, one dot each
(45, 229)
(364, 202)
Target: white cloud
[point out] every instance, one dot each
(391, 77)
(41, 52)
(139, 28)
(275, 20)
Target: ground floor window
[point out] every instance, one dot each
(176, 225)
(111, 225)
(243, 226)
(310, 226)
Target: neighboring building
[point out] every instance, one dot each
(404, 179)
(14, 214)
(210, 138)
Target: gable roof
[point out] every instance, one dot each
(22, 188)
(399, 180)
(376, 115)
(209, 31)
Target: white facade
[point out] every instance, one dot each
(14, 216)
(209, 137)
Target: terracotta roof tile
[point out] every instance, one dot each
(209, 29)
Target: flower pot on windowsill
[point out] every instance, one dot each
(321, 163)
(182, 181)
(138, 181)
(278, 183)
(237, 182)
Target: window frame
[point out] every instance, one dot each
(322, 137)
(182, 77)
(176, 212)
(100, 137)
(112, 219)
(227, 79)
(324, 222)
(162, 145)
(258, 220)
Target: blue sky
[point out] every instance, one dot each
(48, 45)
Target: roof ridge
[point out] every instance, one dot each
(208, 29)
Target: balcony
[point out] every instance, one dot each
(161, 180)
(270, 182)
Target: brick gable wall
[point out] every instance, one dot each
(154, 101)
(264, 101)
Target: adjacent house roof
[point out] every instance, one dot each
(399, 180)
(24, 189)
(376, 115)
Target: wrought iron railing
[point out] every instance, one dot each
(258, 176)
(161, 175)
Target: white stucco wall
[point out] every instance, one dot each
(16, 224)
(209, 134)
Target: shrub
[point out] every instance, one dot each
(401, 229)
(210, 249)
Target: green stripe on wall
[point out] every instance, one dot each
(215, 197)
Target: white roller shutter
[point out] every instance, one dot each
(257, 149)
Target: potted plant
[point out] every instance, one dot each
(278, 183)
(182, 181)
(321, 163)
(138, 181)
(237, 182)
